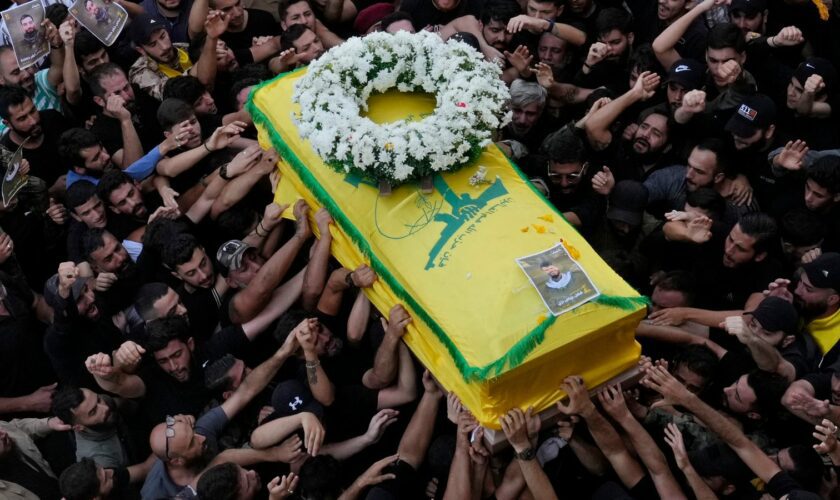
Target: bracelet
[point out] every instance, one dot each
(550, 28)
(260, 226)
(587, 66)
(314, 364)
(206, 147)
(349, 279)
(257, 230)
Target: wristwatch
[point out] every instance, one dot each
(348, 279)
(526, 454)
(223, 172)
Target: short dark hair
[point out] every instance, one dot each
(216, 377)
(25, 16)
(85, 44)
(564, 146)
(147, 295)
(726, 36)
(244, 83)
(644, 59)
(101, 72)
(110, 182)
(11, 96)
(283, 6)
(70, 144)
(79, 193)
(678, 281)
(80, 481)
(64, 401)
(186, 88)
(394, 17)
(613, 18)
(292, 33)
(320, 477)
(179, 250)
(801, 227)
(697, 358)
(92, 240)
(173, 111)
(762, 228)
(161, 331)
(500, 11)
(769, 389)
(808, 467)
(220, 482)
(56, 13)
(826, 173)
(708, 199)
(718, 147)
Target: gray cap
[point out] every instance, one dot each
(230, 254)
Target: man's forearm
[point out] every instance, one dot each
(569, 33)
(330, 300)
(205, 67)
(253, 298)
(598, 124)
(386, 361)
(132, 148)
(72, 81)
(320, 386)
(459, 484)
(538, 483)
(315, 277)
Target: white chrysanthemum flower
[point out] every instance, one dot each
(469, 96)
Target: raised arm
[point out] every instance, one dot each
(215, 24)
(316, 270)
(664, 45)
(418, 435)
(249, 301)
(259, 378)
(113, 379)
(319, 384)
(515, 427)
(766, 356)
(198, 14)
(70, 72)
(612, 400)
(658, 379)
(598, 124)
(605, 436)
(386, 361)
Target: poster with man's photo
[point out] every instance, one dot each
(559, 279)
(13, 179)
(29, 38)
(105, 20)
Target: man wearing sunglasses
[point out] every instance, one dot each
(573, 190)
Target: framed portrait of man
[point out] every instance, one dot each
(560, 281)
(28, 36)
(105, 20)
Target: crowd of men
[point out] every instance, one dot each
(164, 333)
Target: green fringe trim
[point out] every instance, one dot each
(515, 356)
(626, 303)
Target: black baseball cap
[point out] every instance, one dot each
(824, 271)
(627, 202)
(816, 66)
(776, 314)
(688, 73)
(749, 7)
(292, 397)
(142, 28)
(756, 112)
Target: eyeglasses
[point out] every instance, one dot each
(170, 432)
(573, 177)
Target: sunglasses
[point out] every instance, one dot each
(554, 176)
(170, 432)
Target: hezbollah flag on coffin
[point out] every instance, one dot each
(471, 264)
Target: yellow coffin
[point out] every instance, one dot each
(478, 325)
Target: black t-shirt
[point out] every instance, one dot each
(23, 365)
(145, 122)
(43, 160)
(424, 13)
(260, 23)
(725, 288)
(202, 309)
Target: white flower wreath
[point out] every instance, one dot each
(470, 106)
